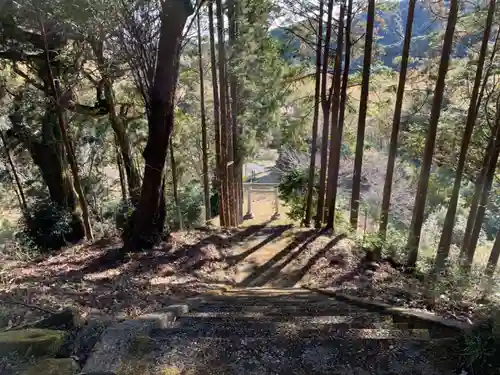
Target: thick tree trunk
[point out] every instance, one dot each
(146, 224)
(363, 107)
(216, 110)
(17, 181)
(204, 146)
(396, 121)
(446, 235)
(317, 98)
(226, 147)
(325, 104)
(420, 199)
(335, 138)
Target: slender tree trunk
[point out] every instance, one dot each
(233, 109)
(204, 146)
(335, 140)
(479, 185)
(314, 146)
(225, 146)
(216, 109)
(420, 199)
(173, 166)
(446, 235)
(121, 171)
(493, 259)
(325, 104)
(149, 213)
(122, 139)
(233, 17)
(471, 245)
(19, 186)
(363, 107)
(396, 121)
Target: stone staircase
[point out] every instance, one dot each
(293, 331)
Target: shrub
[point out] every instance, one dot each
(191, 206)
(47, 228)
(293, 191)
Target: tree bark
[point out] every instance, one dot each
(335, 138)
(226, 147)
(216, 110)
(420, 199)
(396, 121)
(146, 224)
(363, 107)
(204, 146)
(235, 90)
(446, 235)
(314, 148)
(325, 104)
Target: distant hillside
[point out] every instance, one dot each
(390, 25)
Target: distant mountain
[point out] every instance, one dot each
(390, 25)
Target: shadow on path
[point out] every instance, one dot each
(259, 276)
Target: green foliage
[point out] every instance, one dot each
(293, 191)
(191, 206)
(481, 348)
(47, 228)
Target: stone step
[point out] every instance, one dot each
(283, 355)
(349, 321)
(330, 327)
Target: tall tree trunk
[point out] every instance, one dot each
(226, 148)
(72, 162)
(449, 221)
(478, 190)
(216, 110)
(314, 146)
(234, 13)
(204, 146)
(470, 246)
(335, 140)
(363, 107)
(420, 199)
(173, 167)
(396, 121)
(325, 104)
(17, 181)
(61, 117)
(147, 217)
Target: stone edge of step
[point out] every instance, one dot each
(405, 313)
(114, 345)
